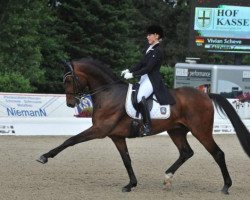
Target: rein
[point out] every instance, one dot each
(92, 92)
(81, 95)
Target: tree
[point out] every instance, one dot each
(19, 48)
(101, 29)
(27, 43)
(52, 44)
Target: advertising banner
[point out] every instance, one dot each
(34, 105)
(42, 114)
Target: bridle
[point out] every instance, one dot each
(76, 87)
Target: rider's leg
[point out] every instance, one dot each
(145, 90)
(145, 117)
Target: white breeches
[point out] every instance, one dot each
(146, 88)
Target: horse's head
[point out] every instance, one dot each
(86, 73)
(73, 85)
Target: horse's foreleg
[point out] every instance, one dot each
(123, 150)
(86, 135)
(179, 138)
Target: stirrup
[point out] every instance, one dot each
(146, 131)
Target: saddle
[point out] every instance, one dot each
(157, 111)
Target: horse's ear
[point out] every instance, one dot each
(67, 66)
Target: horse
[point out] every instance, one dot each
(193, 112)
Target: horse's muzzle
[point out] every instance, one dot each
(70, 105)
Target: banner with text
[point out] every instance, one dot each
(42, 114)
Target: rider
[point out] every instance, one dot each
(148, 70)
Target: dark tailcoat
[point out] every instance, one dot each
(150, 64)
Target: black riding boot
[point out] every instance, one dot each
(145, 118)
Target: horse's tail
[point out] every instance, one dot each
(240, 129)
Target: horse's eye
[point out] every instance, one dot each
(68, 81)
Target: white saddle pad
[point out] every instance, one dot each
(158, 111)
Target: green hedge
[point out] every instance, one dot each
(168, 75)
(14, 82)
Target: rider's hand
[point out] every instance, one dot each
(128, 75)
(124, 72)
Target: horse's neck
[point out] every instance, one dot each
(98, 84)
(113, 93)
(98, 77)
(96, 81)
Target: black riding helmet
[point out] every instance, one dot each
(155, 29)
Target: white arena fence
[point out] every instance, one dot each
(47, 114)
(39, 114)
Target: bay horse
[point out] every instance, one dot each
(193, 112)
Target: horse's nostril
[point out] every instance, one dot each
(69, 105)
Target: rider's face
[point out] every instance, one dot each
(153, 38)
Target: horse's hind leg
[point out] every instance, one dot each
(179, 137)
(206, 139)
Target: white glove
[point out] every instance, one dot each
(128, 75)
(124, 72)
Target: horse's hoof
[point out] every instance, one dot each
(168, 181)
(129, 187)
(126, 189)
(167, 185)
(42, 159)
(225, 190)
